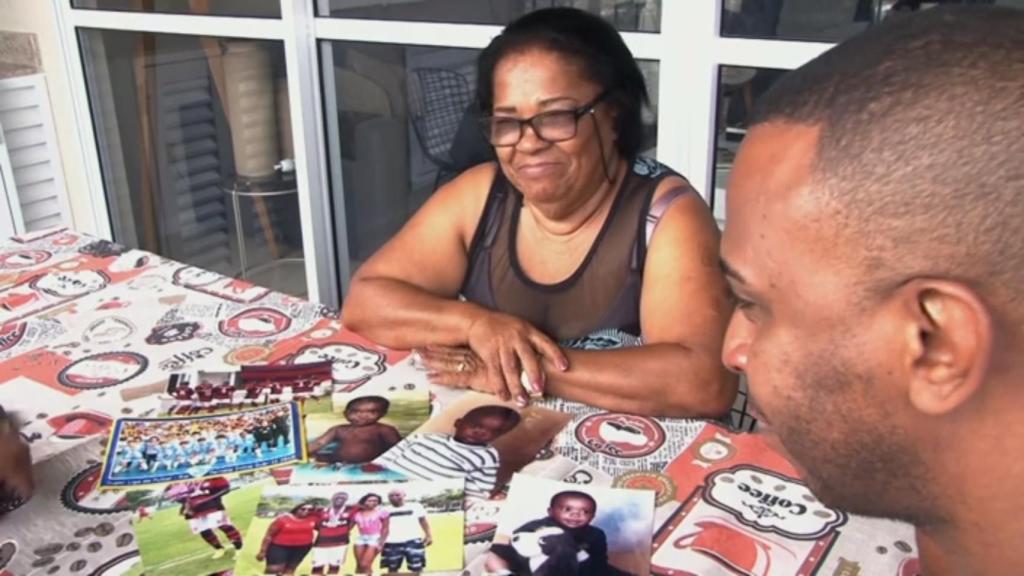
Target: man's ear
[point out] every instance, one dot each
(950, 338)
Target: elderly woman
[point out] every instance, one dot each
(518, 274)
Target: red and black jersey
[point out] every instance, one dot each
(293, 531)
(206, 497)
(334, 527)
(183, 393)
(222, 392)
(205, 392)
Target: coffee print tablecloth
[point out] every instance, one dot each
(90, 331)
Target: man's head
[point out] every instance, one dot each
(572, 509)
(484, 424)
(873, 242)
(339, 499)
(396, 497)
(366, 410)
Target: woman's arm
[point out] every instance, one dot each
(405, 295)
(385, 526)
(684, 311)
(267, 539)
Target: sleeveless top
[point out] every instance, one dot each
(602, 296)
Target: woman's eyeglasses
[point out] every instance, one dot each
(553, 126)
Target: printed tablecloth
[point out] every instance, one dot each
(90, 331)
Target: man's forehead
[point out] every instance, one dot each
(768, 186)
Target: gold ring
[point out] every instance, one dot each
(461, 367)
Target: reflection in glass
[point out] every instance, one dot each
(738, 91)
(815, 20)
(251, 8)
(195, 148)
(401, 121)
(626, 15)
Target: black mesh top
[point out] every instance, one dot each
(603, 293)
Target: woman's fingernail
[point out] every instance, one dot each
(563, 365)
(522, 401)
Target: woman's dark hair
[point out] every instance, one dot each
(584, 38)
(311, 503)
(363, 500)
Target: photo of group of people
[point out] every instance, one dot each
(196, 527)
(477, 438)
(343, 443)
(200, 391)
(551, 528)
(159, 450)
(356, 528)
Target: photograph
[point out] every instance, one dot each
(197, 526)
(202, 391)
(343, 441)
(356, 528)
(476, 437)
(199, 391)
(550, 528)
(145, 451)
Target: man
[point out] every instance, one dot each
(332, 536)
(203, 507)
(874, 245)
(408, 535)
(15, 466)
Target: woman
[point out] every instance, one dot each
(289, 538)
(373, 524)
(551, 243)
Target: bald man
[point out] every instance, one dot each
(874, 244)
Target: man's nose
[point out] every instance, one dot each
(735, 350)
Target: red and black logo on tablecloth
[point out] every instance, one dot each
(103, 370)
(255, 323)
(620, 435)
(23, 259)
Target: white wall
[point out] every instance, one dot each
(37, 16)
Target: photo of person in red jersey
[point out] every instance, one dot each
(204, 392)
(203, 507)
(332, 537)
(289, 539)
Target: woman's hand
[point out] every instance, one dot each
(509, 346)
(455, 367)
(261, 556)
(503, 351)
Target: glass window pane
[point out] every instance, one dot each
(192, 134)
(738, 91)
(627, 15)
(252, 8)
(403, 121)
(815, 20)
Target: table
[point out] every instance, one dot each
(89, 332)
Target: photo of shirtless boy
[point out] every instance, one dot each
(362, 439)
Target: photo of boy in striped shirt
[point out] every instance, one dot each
(467, 453)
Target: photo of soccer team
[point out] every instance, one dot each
(199, 391)
(356, 528)
(158, 450)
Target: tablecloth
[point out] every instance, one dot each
(90, 331)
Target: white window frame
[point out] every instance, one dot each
(689, 50)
